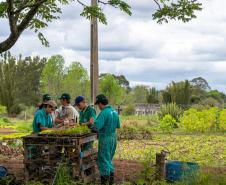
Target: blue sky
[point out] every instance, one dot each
(137, 47)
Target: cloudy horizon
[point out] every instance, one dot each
(137, 47)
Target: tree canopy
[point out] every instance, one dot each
(37, 14)
(112, 89)
(17, 89)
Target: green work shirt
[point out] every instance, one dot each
(86, 114)
(41, 119)
(108, 120)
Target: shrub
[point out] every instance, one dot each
(222, 120)
(27, 113)
(171, 109)
(201, 121)
(3, 110)
(6, 120)
(17, 109)
(133, 130)
(129, 110)
(152, 120)
(167, 124)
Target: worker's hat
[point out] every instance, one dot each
(52, 103)
(78, 99)
(101, 98)
(46, 97)
(65, 96)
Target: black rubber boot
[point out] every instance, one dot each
(112, 178)
(104, 180)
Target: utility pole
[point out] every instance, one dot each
(94, 69)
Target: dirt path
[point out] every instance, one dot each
(4, 131)
(124, 170)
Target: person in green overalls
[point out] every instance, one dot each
(43, 119)
(86, 112)
(107, 122)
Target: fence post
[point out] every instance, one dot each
(161, 166)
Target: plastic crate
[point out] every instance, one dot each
(3, 171)
(176, 170)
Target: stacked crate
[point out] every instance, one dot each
(44, 153)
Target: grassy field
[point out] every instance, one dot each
(208, 150)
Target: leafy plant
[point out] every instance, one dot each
(172, 109)
(62, 176)
(201, 121)
(167, 124)
(222, 120)
(3, 109)
(132, 130)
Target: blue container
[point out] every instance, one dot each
(176, 170)
(3, 171)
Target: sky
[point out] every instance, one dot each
(136, 46)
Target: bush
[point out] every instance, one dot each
(133, 130)
(129, 110)
(201, 121)
(6, 120)
(27, 113)
(167, 124)
(171, 109)
(222, 120)
(3, 109)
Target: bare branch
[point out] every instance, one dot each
(156, 1)
(81, 3)
(102, 2)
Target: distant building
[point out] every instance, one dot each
(146, 109)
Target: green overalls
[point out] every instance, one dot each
(107, 122)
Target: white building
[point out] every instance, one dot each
(146, 109)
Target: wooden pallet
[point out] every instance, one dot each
(42, 154)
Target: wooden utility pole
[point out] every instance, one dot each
(94, 69)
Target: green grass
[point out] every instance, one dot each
(20, 127)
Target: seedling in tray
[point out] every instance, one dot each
(78, 130)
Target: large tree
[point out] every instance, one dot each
(153, 95)
(112, 89)
(123, 82)
(16, 88)
(76, 81)
(140, 94)
(52, 76)
(37, 14)
(200, 83)
(178, 92)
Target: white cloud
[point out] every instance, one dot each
(137, 46)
